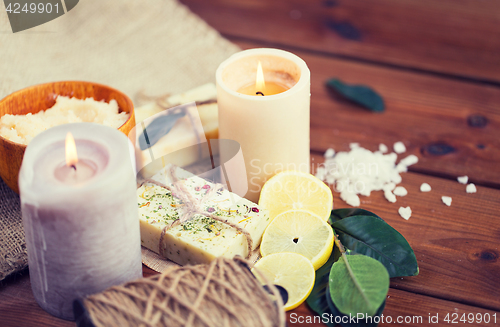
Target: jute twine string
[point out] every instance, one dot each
(223, 293)
(192, 206)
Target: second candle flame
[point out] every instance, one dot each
(71, 155)
(260, 84)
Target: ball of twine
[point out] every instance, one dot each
(223, 293)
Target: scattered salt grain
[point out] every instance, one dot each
(360, 172)
(471, 188)
(390, 196)
(320, 173)
(399, 147)
(425, 187)
(351, 199)
(405, 212)
(329, 153)
(401, 168)
(382, 148)
(388, 187)
(463, 179)
(400, 191)
(446, 200)
(408, 161)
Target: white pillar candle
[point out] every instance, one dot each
(81, 223)
(273, 130)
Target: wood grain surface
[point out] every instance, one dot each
(456, 247)
(427, 113)
(458, 38)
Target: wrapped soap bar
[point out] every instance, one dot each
(216, 222)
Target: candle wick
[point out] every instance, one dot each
(259, 93)
(73, 166)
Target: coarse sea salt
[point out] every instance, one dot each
(390, 196)
(471, 188)
(425, 187)
(463, 179)
(405, 212)
(446, 200)
(329, 153)
(400, 191)
(399, 147)
(360, 172)
(382, 148)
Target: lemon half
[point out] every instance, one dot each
(299, 231)
(296, 190)
(292, 271)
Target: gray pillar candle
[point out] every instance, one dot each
(80, 219)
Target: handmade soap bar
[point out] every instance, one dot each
(200, 125)
(202, 238)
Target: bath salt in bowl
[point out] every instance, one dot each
(23, 128)
(101, 104)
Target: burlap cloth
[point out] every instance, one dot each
(154, 46)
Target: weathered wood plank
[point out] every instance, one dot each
(457, 247)
(415, 308)
(18, 308)
(427, 113)
(446, 36)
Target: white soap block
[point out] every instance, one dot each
(201, 239)
(183, 136)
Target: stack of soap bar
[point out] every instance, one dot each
(183, 136)
(201, 239)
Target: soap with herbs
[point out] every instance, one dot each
(228, 225)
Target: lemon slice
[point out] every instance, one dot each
(296, 190)
(299, 231)
(292, 271)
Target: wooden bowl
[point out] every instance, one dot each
(43, 96)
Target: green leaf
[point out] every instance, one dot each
(345, 322)
(320, 299)
(339, 214)
(317, 300)
(158, 128)
(375, 238)
(358, 284)
(360, 94)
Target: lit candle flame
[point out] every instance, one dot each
(71, 155)
(260, 84)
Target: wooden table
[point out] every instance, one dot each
(437, 66)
